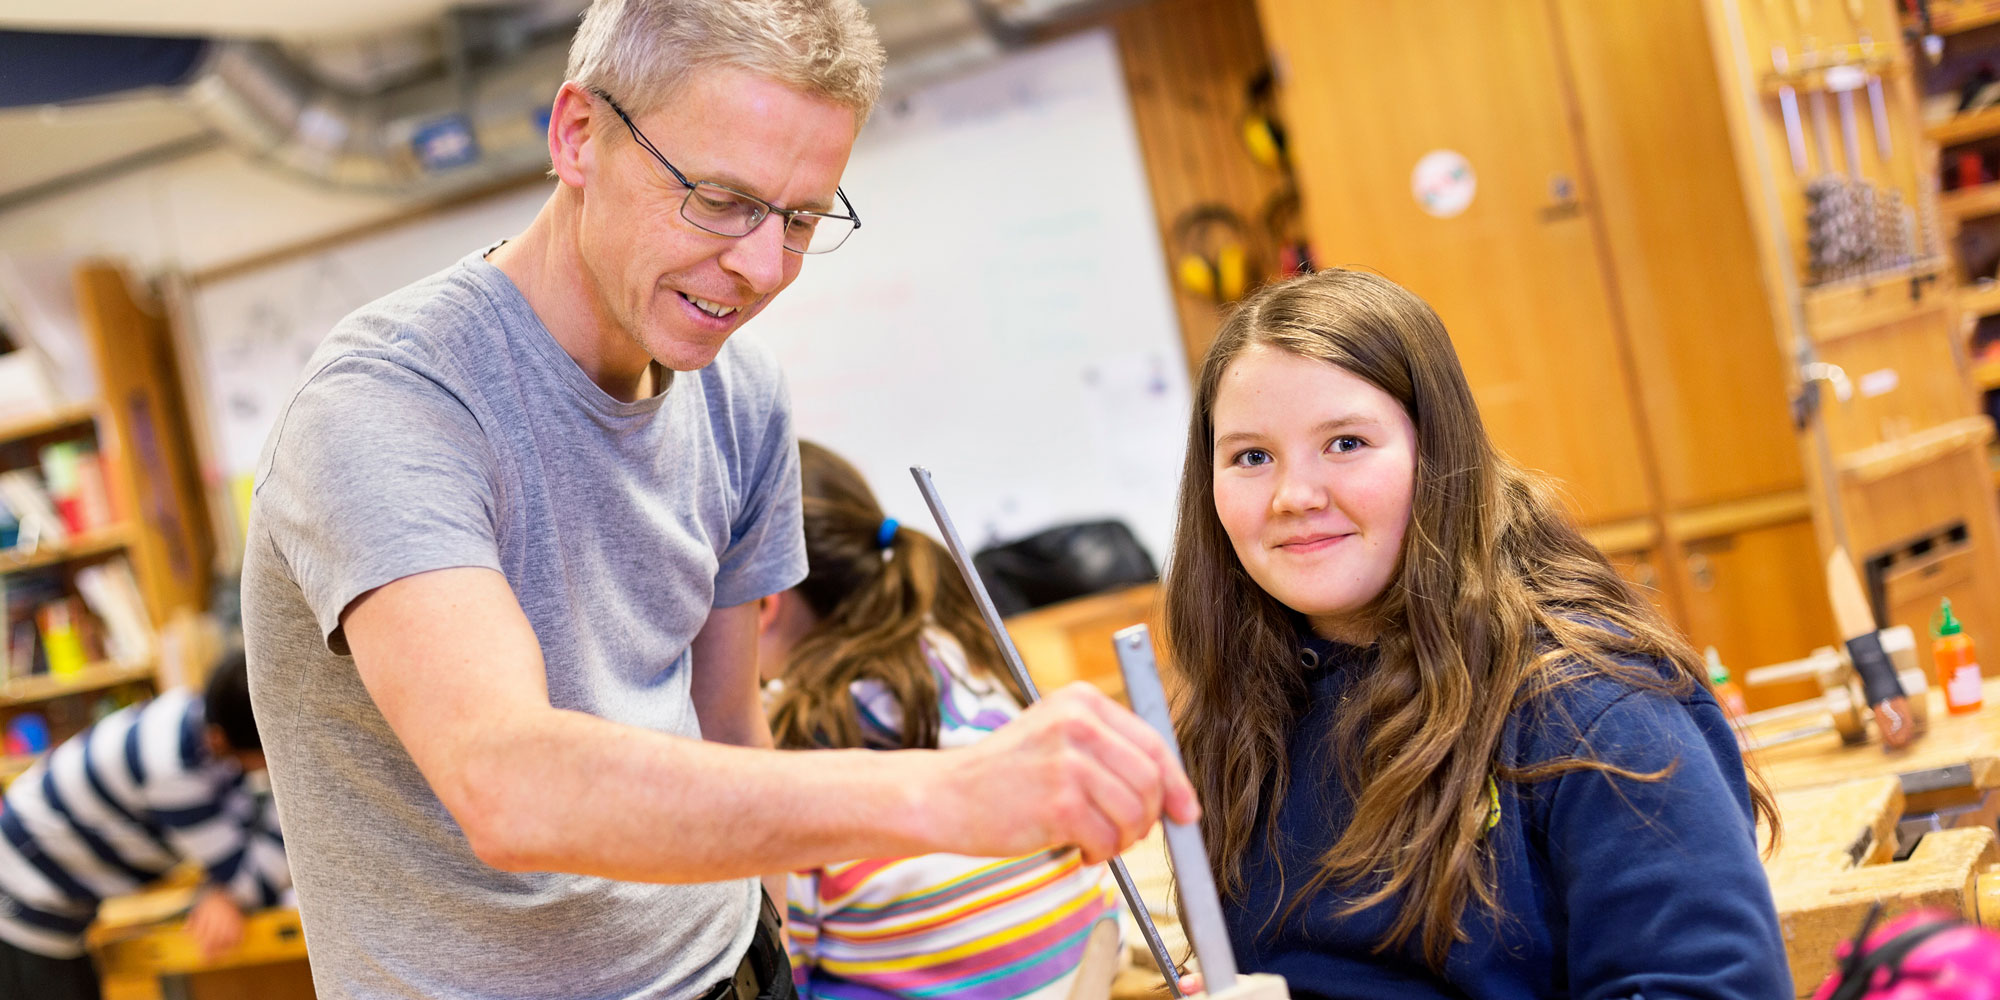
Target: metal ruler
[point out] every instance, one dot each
(1019, 671)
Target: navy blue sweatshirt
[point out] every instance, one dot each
(1609, 888)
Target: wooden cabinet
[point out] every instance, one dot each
(1755, 594)
(1071, 641)
(1369, 89)
(1706, 368)
(1601, 288)
(1627, 285)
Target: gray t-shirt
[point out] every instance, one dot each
(443, 426)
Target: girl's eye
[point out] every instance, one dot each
(1345, 443)
(1251, 457)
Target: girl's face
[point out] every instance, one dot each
(1314, 470)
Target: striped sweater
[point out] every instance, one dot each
(116, 807)
(943, 925)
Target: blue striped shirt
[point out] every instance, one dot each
(116, 807)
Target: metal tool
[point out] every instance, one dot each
(1015, 667)
(1788, 103)
(1843, 80)
(1199, 902)
(1878, 106)
(1822, 127)
(1840, 707)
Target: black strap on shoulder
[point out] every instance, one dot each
(1858, 971)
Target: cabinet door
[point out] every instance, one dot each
(1370, 89)
(1681, 249)
(1641, 568)
(1759, 597)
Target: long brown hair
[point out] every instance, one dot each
(873, 603)
(1497, 599)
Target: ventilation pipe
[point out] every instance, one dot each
(481, 120)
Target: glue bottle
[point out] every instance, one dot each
(1957, 664)
(1728, 693)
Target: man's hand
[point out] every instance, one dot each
(1075, 768)
(215, 923)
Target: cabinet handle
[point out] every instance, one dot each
(1701, 571)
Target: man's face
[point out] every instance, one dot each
(657, 276)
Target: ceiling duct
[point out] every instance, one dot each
(473, 124)
(476, 115)
(479, 117)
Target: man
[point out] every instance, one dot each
(501, 578)
(121, 804)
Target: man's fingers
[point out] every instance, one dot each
(1176, 794)
(1111, 794)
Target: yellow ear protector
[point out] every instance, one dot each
(1263, 134)
(1212, 260)
(1287, 232)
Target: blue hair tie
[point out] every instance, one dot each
(885, 535)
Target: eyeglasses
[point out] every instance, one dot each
(725, 211)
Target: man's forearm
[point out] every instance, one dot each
(564, 791)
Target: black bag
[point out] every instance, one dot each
(1067, 561)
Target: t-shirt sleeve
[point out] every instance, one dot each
(376, 473)
(1662, 884)
(767, 542)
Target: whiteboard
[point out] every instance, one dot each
(1001, 317)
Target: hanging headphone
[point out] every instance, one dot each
(1263, 133)
(1212, 256)
(1287, 232)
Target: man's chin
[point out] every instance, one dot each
(686, 354)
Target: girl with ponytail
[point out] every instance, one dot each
(882, 647)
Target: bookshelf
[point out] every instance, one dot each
(1968, 39)
(95, 677)
(97, 542)
(103, 536)
(54, 422)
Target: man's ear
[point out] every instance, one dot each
(573, 123)
(768, 609)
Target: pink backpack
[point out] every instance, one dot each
(1921, 955)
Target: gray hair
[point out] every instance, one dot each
(642, 51)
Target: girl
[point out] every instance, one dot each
(1442, 749)
(882, 647)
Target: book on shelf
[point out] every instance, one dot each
(112, 593)
(39, 523)
(24, 595)
(73, 475)
(67, 636)
(51, 630)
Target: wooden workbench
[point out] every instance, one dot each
(1956, 751)
(142, 945)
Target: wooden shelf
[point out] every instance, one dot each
(1964, 128)
(95, 543)
(21, 429)
(96, 677)
(1986, 375)
(1631, 535)
(1973, 202)
(1981, 301)
(1873, 463)
(1956, 17)
(1739, 515)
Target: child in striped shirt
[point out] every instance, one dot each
(882, 647)
(119, 805)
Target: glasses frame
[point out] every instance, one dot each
(786, 214)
